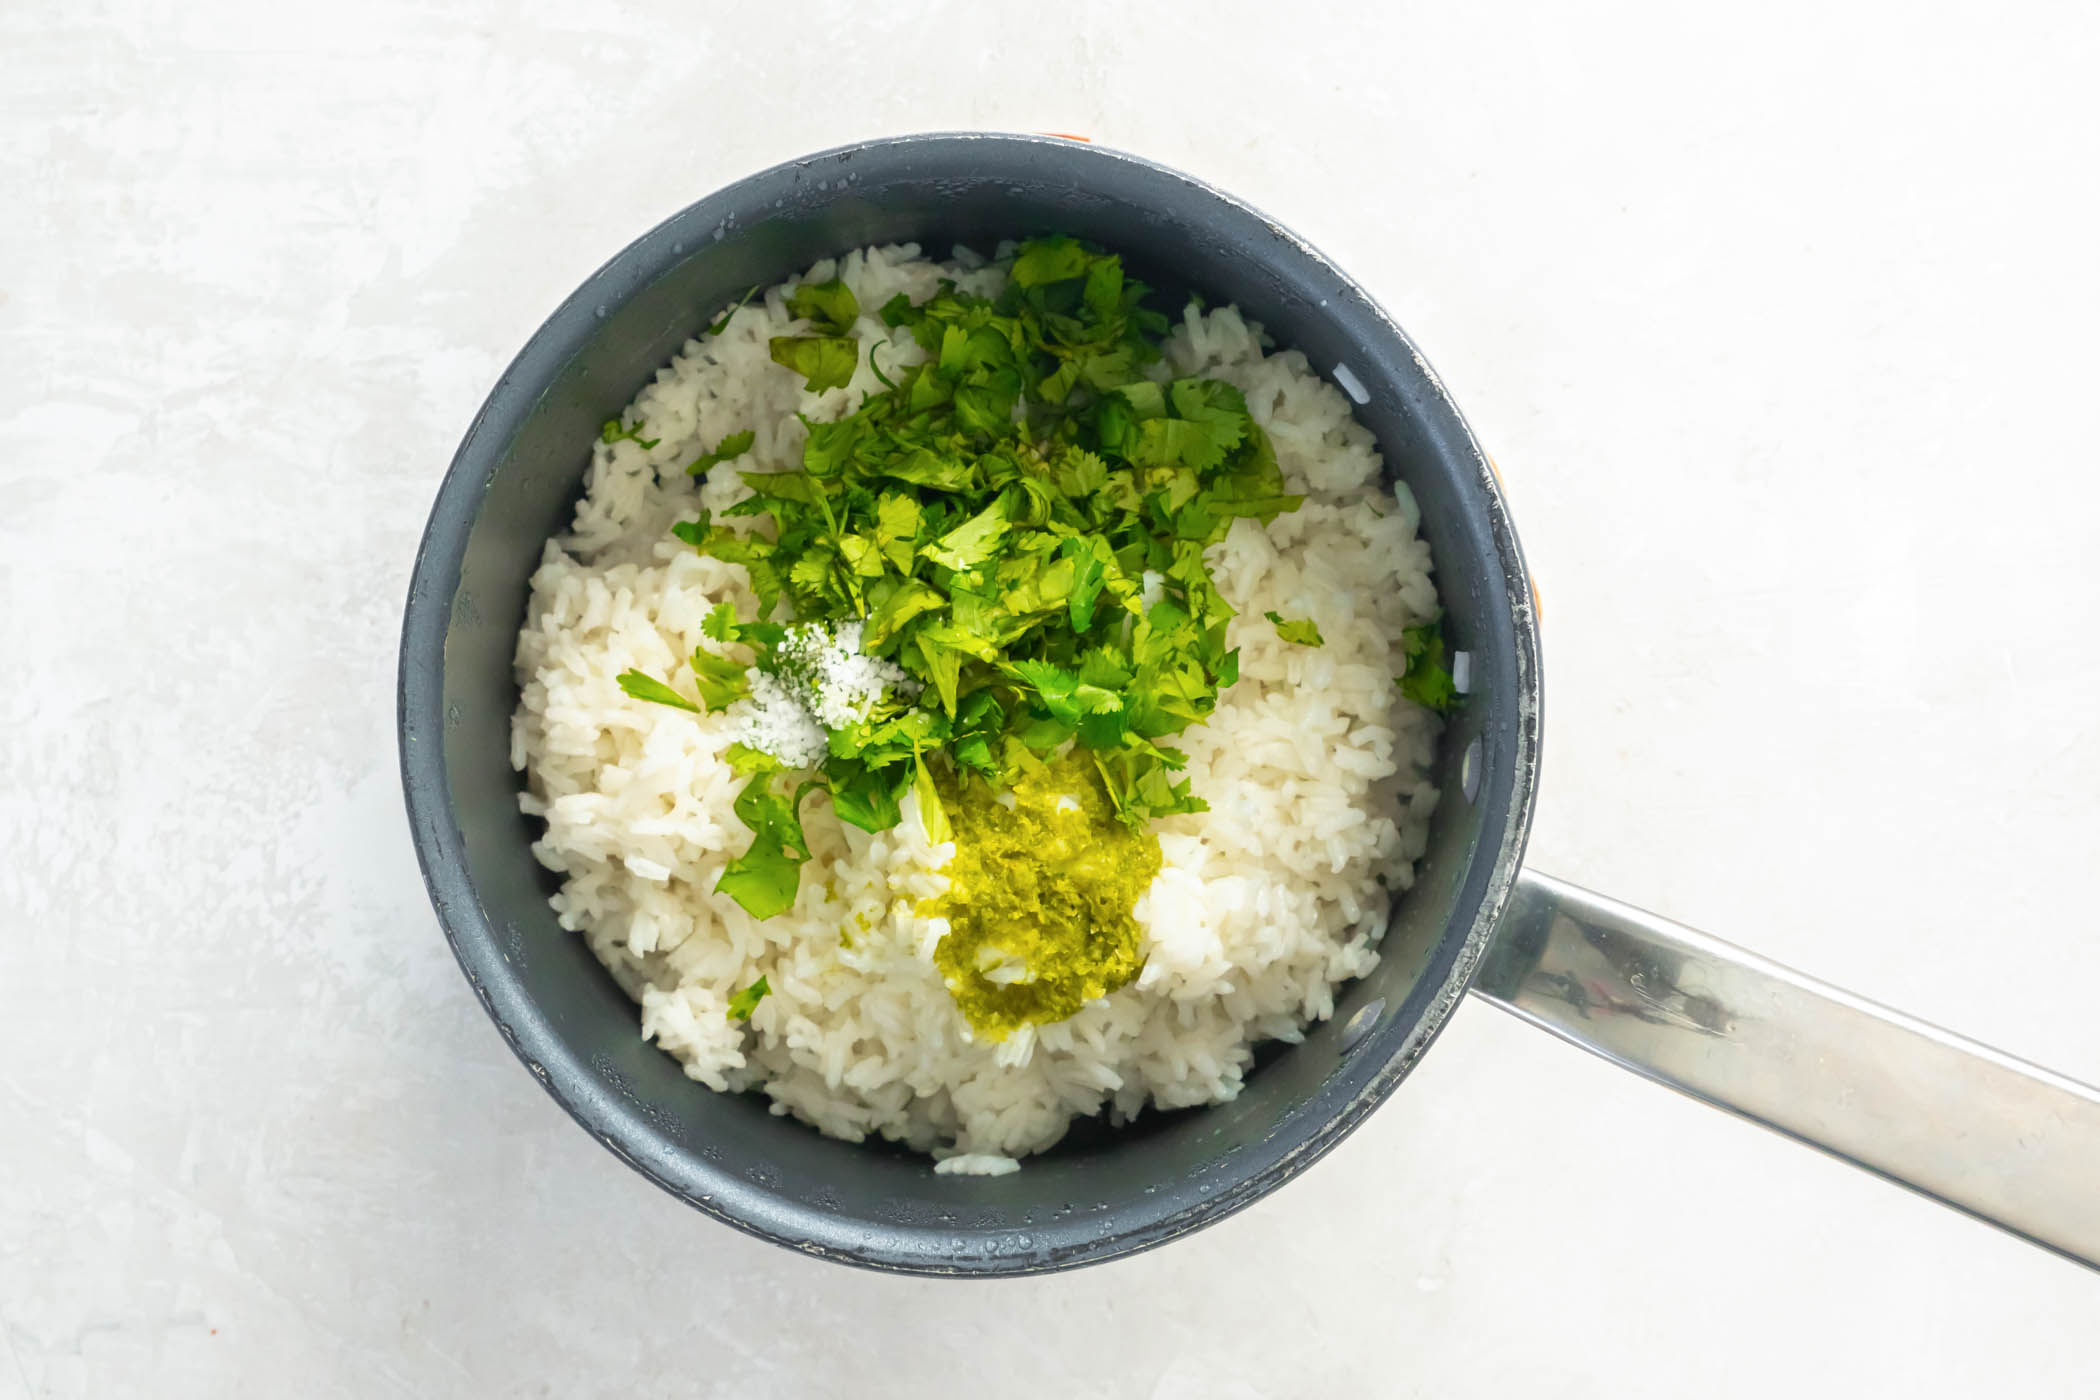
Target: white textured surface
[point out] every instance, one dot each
(1779, 321)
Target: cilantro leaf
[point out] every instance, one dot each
(897, 311)
(1212, 402)
(831, 306)
(932, 815)
(1140, 781)
(1104, 288)
(897, 522)
(643, 687)
(1303, 631)
(1209, 419)
(721, 323)
(831, 446)
(863, 556)
(988, 407)
(812, 572)
(866, 797)
(972, 542)
(923, 466)
(1427, 680)
(611, 431)
(1091, 561)
(1056, 690)
(745, 1002)
(722, 625)
(754, 553)
(825, 361)
(1057, 259)
(766, 878)
(721, 682)
(936, 659)
(728, 449)
(898, 609)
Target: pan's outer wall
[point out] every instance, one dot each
(510, 487)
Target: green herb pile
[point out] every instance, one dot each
(991, 519)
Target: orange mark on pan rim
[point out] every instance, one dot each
(1538, 604)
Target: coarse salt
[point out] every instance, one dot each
(821, 681)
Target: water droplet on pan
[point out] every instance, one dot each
(1360, 1024)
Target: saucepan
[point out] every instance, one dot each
(2006, 1141)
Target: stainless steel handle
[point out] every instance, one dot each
(2006, 1141)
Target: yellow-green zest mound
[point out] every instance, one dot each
(1040, 897)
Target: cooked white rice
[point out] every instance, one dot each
(1314, 768)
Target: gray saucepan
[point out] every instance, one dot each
(2005, 1141)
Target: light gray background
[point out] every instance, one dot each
(1780, 320)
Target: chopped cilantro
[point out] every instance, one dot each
(1427, 680)
(643, 687)
(721, 323)
(1304, 631)
(1049, 260)
(611, 431)
(720, 681)
(830, 306)
(1018, 524)
(826, 361)
(932, 815)
(728, 449)
(974, 541)
(745, 1002)
(766, 877)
